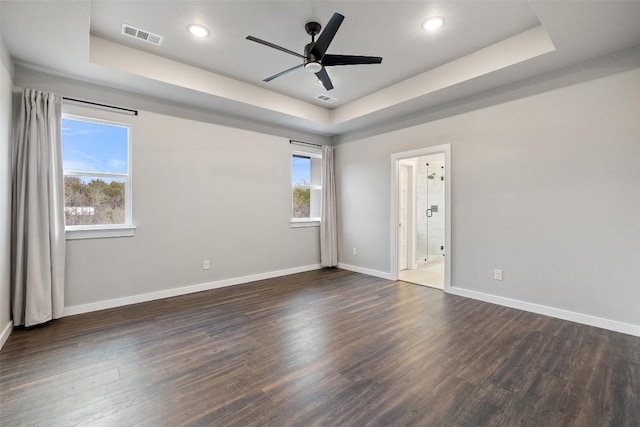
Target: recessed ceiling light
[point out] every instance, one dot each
(197, 30)
(433, 23)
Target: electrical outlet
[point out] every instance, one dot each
(497, 274)
(355, 252)
(205, 264)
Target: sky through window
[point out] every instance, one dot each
(94, 147)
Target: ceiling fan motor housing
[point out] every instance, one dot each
(311, 63)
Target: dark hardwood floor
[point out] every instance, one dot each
(326, 347)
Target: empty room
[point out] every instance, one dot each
(320, 213)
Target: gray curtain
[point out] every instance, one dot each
(37, 228)
(328, 223)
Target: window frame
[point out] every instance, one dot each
(93, 231)
(310, 221)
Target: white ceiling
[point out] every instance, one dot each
(483, 45)
(376, 30)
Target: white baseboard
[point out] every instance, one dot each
(585, 319)
(134, 299)
(598, 322)
(6, 331)
(367, 271)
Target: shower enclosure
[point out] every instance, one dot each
(430, 209)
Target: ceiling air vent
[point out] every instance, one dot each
(326, 98)
(143, 35)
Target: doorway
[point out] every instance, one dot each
(421, 217)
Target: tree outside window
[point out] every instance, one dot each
(96, 165)
(306, 186)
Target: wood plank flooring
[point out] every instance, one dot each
(329, 348)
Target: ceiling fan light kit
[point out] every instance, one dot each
(315, 58)
(312, 67)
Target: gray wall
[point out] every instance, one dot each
(200, 191)
(541, 183)
(5, 183)
(546, 187)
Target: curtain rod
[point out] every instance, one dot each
(113, 107)
(293, 141)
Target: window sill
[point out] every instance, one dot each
(99, 233)
(299, 223)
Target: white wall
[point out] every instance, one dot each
(200, 191)
(5, 186)
(539, 186)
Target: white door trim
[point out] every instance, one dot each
(411, 229)
(395, 161)
(412, 244)
(403, 220)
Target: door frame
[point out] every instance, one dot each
(408, 228)
(395, 168)
(411, 165)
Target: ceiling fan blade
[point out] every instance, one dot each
(275, 46)
(330, 60)
(282, 73)
(330, 30)
(324, 78)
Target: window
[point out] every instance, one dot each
(306, 185)
(96, 162)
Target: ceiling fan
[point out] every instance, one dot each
(315, 58)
